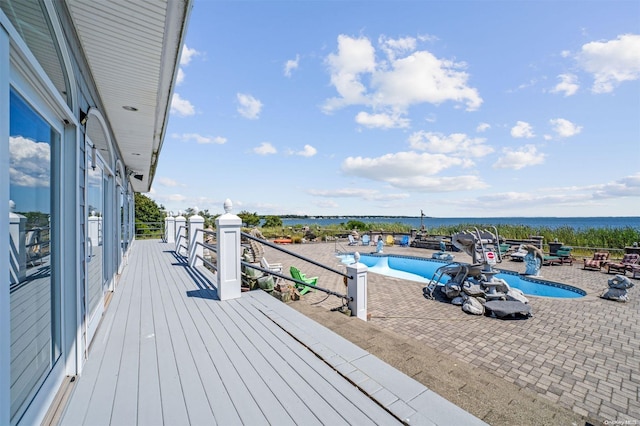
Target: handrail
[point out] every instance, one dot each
(313, 262)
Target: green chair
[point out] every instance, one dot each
(296, 274)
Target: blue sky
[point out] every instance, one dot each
(459, 109)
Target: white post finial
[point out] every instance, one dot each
(228, 205)
(12, 206)
(356, 257)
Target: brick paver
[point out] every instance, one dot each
(583, 354)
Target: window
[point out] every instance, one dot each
(34, 293)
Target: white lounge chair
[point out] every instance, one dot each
(273, 267)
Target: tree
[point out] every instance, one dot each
(249, 219)
(272, 222)
(147, 210)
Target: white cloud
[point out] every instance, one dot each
(181, 107)
(400, 165)
(167, 182)
(520, 158)
(180, 77)
(457, 144)
(438, 184)
(568, 85)
(483, 127)
(382, 120)
(308, 151)
(565, 128)
(611, 62)
(30, 162)
(626, 187)
(423, 78)
(250, 107)
(413, 171)
(187, 54)
(290, 65)
(186, 137)
(365, 194)
(394, 47)
(354, 57)
(265, 148)
(522, 129)
(406, 77)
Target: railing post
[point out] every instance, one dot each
(93, 226)
(196, 225)
(181, 233)
(170, 231)
(357, 288)
(228, 247)
(18, 255)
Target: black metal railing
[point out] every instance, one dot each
(298, 256)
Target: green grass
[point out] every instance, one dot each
(611, 238)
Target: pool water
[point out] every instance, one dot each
(422, 270)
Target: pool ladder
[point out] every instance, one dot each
(460, 275)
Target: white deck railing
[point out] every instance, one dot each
(188, 234)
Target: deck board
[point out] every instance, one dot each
(168, 352)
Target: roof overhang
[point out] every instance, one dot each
(133, 52)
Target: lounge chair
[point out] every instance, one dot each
(519, 254)
(562, 256)
(365, 240)
(597, 261)
(303, 289)
(627, 263)
(505, 249)
(404, 242)
(273, 267)
(390, 241)
(352, 240)
(564, 253)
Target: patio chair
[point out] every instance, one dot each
(519, 254)
(597, 261)
(505, 249)
(564, 253)
(365, 240)
(379, 245)
(303, 289)
(404, 242)
(273, 267)
(34, 250)
(352, 240)
(390, 241)
(627, 263)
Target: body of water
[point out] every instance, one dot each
(577, 223)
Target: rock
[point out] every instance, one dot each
(517, 295)
(617, 294)
(472, 289)
(457, 301)
(506, 308)
(473, 306)
(620, 282)
(451, 290)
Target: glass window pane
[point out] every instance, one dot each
(31, 144)
(30, 19)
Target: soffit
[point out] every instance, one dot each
(132, 49)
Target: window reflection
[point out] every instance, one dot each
(33, 351)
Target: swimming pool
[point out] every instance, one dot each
(422, 270)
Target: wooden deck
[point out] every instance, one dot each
(168, 352)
